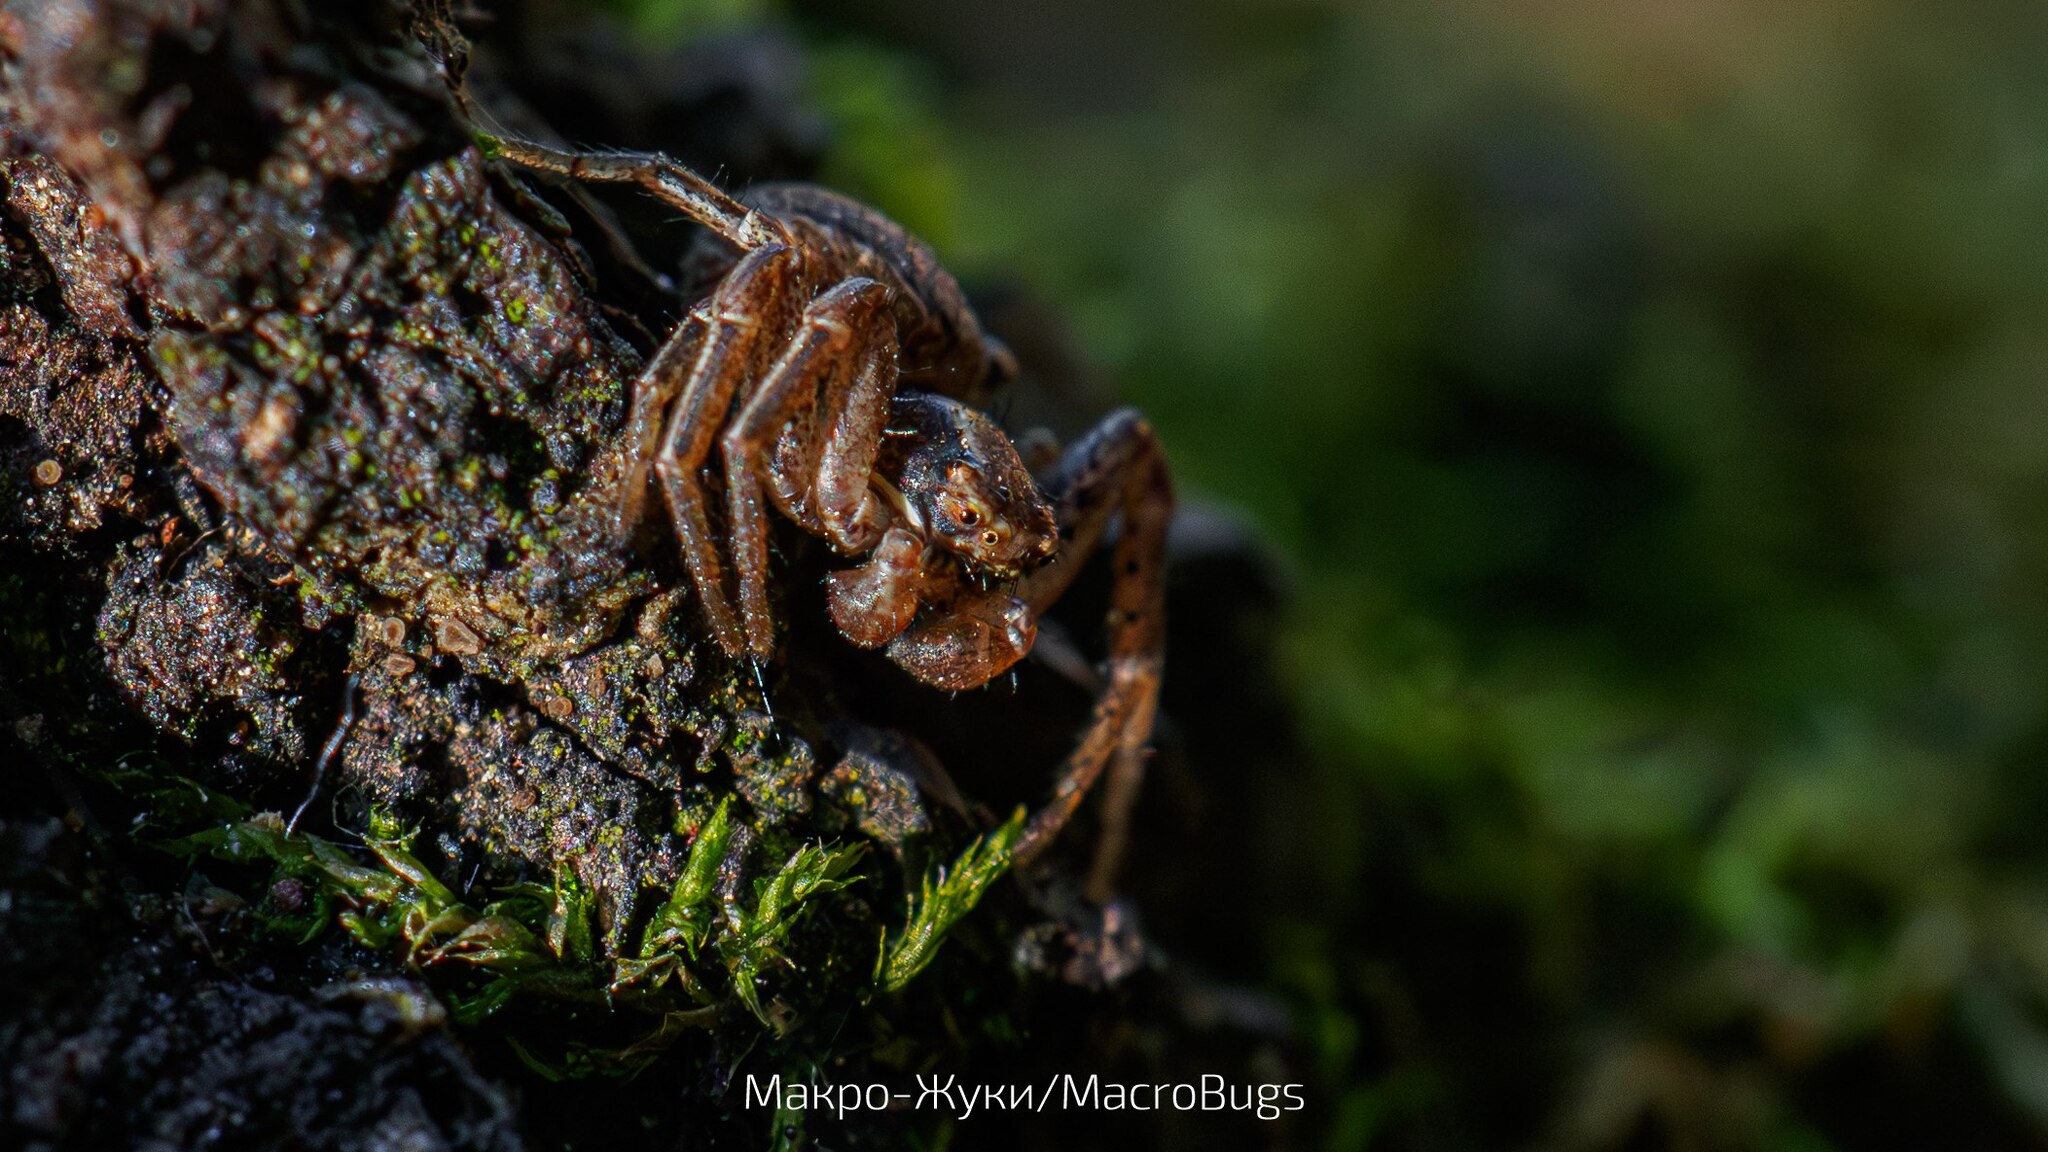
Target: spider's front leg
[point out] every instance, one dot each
(696, 376)
(841, 362)
(1116, 470)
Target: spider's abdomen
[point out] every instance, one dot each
(941, 347)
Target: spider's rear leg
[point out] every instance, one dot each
(741, 325)
(1117, 469)
(844, 343)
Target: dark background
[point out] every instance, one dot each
(1643, 402)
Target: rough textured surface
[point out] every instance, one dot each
(310, 443)
(156, 1046)
(400, 404)
(75, 402)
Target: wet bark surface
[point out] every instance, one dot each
(310, 490)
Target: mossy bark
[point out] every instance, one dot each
(314, 458)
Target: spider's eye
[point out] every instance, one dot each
(969, 516)
(991, 538)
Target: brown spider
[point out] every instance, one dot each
(833, 367)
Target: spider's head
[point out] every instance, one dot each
(974, 496)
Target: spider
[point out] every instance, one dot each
(833, 368)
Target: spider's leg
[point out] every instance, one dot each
(742, 322)
(668, 180)
(873, 603)
(820, 470)
(647, 412)
(851, 512)
(834, 337)
(1117, 468)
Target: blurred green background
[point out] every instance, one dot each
(1647, 400)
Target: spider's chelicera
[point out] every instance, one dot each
(832, 374)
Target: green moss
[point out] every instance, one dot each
(681, 921)
(755, 940)
(531, 940)
(948, 895)
(571, 917)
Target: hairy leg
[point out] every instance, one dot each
(873, 603)
(670, 181)
(1116, 469)
(850, 511)
(821, 469)
(647, 415)
(742, 323)
(834, 336)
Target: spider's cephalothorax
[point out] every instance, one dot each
(834, 367)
